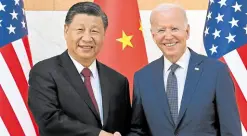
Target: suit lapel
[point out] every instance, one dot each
(105, 90)
(74, 78)
(193, 75)
(158, 79)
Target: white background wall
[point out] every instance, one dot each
(46, 33)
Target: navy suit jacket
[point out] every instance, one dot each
(208, 106)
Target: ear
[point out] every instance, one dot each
(104, 32)
(188, 31)
(66, 27)
(153, 34)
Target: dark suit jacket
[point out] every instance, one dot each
(208, 106)
(62, 106)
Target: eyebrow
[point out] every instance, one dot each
(168, 27)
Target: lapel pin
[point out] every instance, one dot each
(196, 68)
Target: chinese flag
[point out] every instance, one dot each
(124, 48)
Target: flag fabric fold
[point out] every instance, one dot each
(15, 63)
(225, 38)
(124, 47)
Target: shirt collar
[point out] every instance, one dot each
(183, 62)
(80, 67)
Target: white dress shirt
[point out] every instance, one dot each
(180, 73)
(95, 82)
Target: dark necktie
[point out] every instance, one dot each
(86, 74)
(172, 92)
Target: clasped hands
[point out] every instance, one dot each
(104, 133)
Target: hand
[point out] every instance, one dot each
(104, 133)
(117, 134)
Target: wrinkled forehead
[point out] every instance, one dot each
(80, 19)
(172, 16)
(175, 13)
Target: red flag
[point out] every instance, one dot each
(124, 48)
(15, 63)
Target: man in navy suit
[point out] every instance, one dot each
(182, 93)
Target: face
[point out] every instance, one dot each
(84, 37)
(169, 32)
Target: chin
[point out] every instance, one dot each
(88, 56)
(171, 53)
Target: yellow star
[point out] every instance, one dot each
(140, 28)
(125, 40)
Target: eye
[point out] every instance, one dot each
(95, 31)
(175, 29)
(161, 30)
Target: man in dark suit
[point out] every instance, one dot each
(73, 94)
(182, 93)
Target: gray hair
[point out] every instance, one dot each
(168, 6)
(88, 8)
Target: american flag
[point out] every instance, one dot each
(225, 38)
(15, 63)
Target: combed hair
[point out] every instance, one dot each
(88, 8)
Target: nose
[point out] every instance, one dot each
(168, 36)
(86, 37)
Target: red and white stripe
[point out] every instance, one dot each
(3, 128)
(15, 62)
(237, 63)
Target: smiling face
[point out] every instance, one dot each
(84, 37)
(170, 32)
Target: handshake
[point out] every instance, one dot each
(104, 133)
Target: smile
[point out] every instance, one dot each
(86, 47)
(170, 44)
